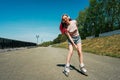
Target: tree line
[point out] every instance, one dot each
(59, 39)
(99, 17)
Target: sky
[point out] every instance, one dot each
(24, 19)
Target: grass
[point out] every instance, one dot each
(107, 46)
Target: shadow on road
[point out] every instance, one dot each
(71, 68)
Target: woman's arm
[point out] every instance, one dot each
(71, 33)
(68, 35)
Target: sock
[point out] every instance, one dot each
(67, 64)
(82, 65)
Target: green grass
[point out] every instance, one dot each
(107, 46)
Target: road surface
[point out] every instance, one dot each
(47, 64)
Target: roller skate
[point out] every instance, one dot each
(66, 71)
(83, 70)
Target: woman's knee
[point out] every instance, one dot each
(79, 51)
(70, 51)
(70, 48)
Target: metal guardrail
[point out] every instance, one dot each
(9, 43)
(110, 33)
(105, 34)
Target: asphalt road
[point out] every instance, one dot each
(47, 64)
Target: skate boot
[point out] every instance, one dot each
(83, 70)
(66, 70)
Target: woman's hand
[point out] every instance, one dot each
(67, 33)
(75, 46)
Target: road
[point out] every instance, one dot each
(47, 63)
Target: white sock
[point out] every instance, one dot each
(82, 65)
(67, 64)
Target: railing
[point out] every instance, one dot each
(105, 34)
(110, 33)
(9, 43)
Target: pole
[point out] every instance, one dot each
(37, 36)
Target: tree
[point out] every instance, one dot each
(60, 38)
(101, 16)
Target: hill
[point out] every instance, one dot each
(108, 46)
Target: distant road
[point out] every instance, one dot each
(47, 64)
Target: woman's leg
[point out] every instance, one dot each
(70, 53)
(67, 66)
(82, 68)
(80, 53)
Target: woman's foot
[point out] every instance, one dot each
(83, 70)
(66, 70)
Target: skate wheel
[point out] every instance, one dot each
(84, 73)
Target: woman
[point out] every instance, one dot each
(69, 28)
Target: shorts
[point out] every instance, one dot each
(76, 40)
